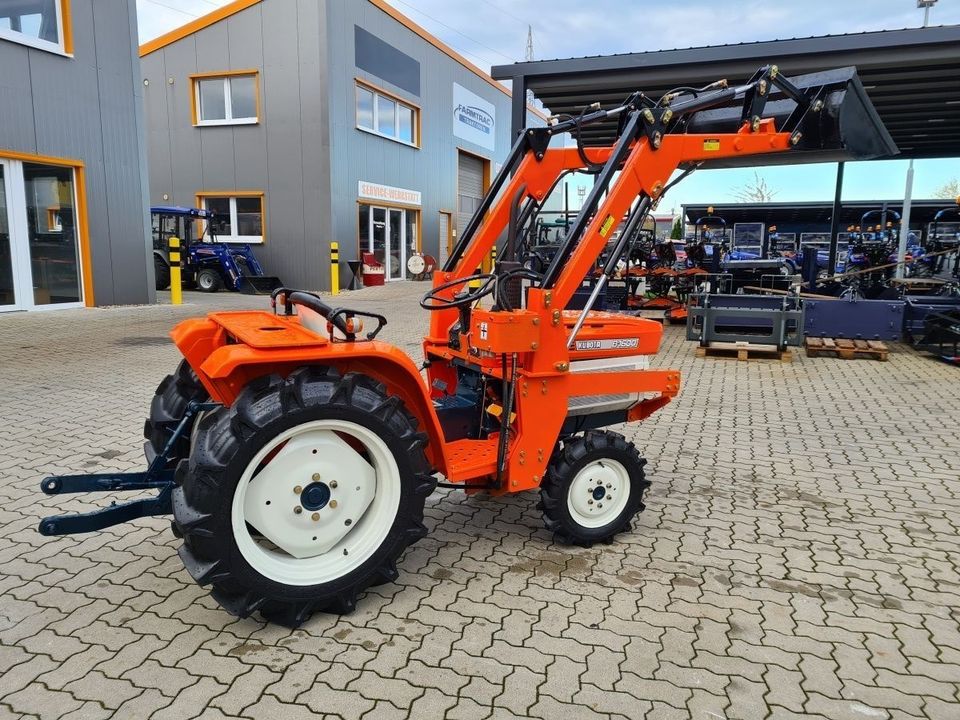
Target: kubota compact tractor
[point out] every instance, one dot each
(296, 451)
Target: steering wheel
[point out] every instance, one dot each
(432, 300)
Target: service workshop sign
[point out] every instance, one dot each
(474, 119)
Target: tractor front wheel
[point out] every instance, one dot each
(209, 281)
(302, 494)
(593, 488)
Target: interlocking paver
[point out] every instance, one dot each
(799, 554)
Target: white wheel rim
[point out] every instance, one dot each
(598, 493)
(316, 544)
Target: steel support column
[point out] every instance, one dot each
(835, 222)
(905, 221)
(518, 111)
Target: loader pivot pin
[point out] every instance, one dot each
(315, 496)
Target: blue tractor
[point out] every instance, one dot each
(205, 264)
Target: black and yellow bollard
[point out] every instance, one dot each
(334, 268)
(176, 286)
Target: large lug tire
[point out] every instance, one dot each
(167, 408)
(161, 273)
(302, 494)
(593, 488)
(209, 281)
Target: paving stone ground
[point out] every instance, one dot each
(798, 558)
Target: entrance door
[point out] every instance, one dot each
(39, 243)
(8, 292)
(391, 235)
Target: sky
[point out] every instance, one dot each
(494, 32)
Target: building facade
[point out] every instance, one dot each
(73, 179)
(302, 123)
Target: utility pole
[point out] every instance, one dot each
(528, 56)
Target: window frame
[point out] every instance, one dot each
(415, 127)
(225, 76)
(64, 45)
(232, 195)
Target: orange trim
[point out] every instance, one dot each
(194, 90)
(196, 25)
(83, 220)
(66, 21)
(86, 259)
(201, 194)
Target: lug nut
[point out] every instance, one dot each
(315, 517)
(333, 483)
(609, 486)
(316, 477)
(333, 504)
(599, 505)
(607, 497)
(298, 509)
(589, 502)
(297, 490)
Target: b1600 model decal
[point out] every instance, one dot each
(610, 344)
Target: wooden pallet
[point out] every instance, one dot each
(847, 349)
(744, 351)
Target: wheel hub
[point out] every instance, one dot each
(598, 493)
(302, 501)
(315, 496)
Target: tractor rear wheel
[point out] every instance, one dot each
(593, 488)
(209, 280)
(169, 404)
(302, 494)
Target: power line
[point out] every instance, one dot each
(171, 7)
(506, 12)
(453, 29)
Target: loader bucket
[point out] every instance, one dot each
(257, 284)
(848, 127)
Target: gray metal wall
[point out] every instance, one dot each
(89, 108)
(284, 155)
(356, 155)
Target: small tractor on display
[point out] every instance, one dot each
(296, 451)
(206, 264)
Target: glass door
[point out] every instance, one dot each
(8, 292)
(52, 234)
(39, 237)
(396, 245)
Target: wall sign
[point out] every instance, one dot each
(474, 118)
(388, 193)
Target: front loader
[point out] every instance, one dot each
(296, 451)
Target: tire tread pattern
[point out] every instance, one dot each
(207, 487)
(561, 471)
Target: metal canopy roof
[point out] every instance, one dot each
(912, 77)
(784, 213)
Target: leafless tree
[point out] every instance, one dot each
(756, 191)
(950, 190)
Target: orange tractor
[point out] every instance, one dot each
(296, 451)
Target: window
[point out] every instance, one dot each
(239, 218)
(231, 99)
(383, 114)
(43, 24)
